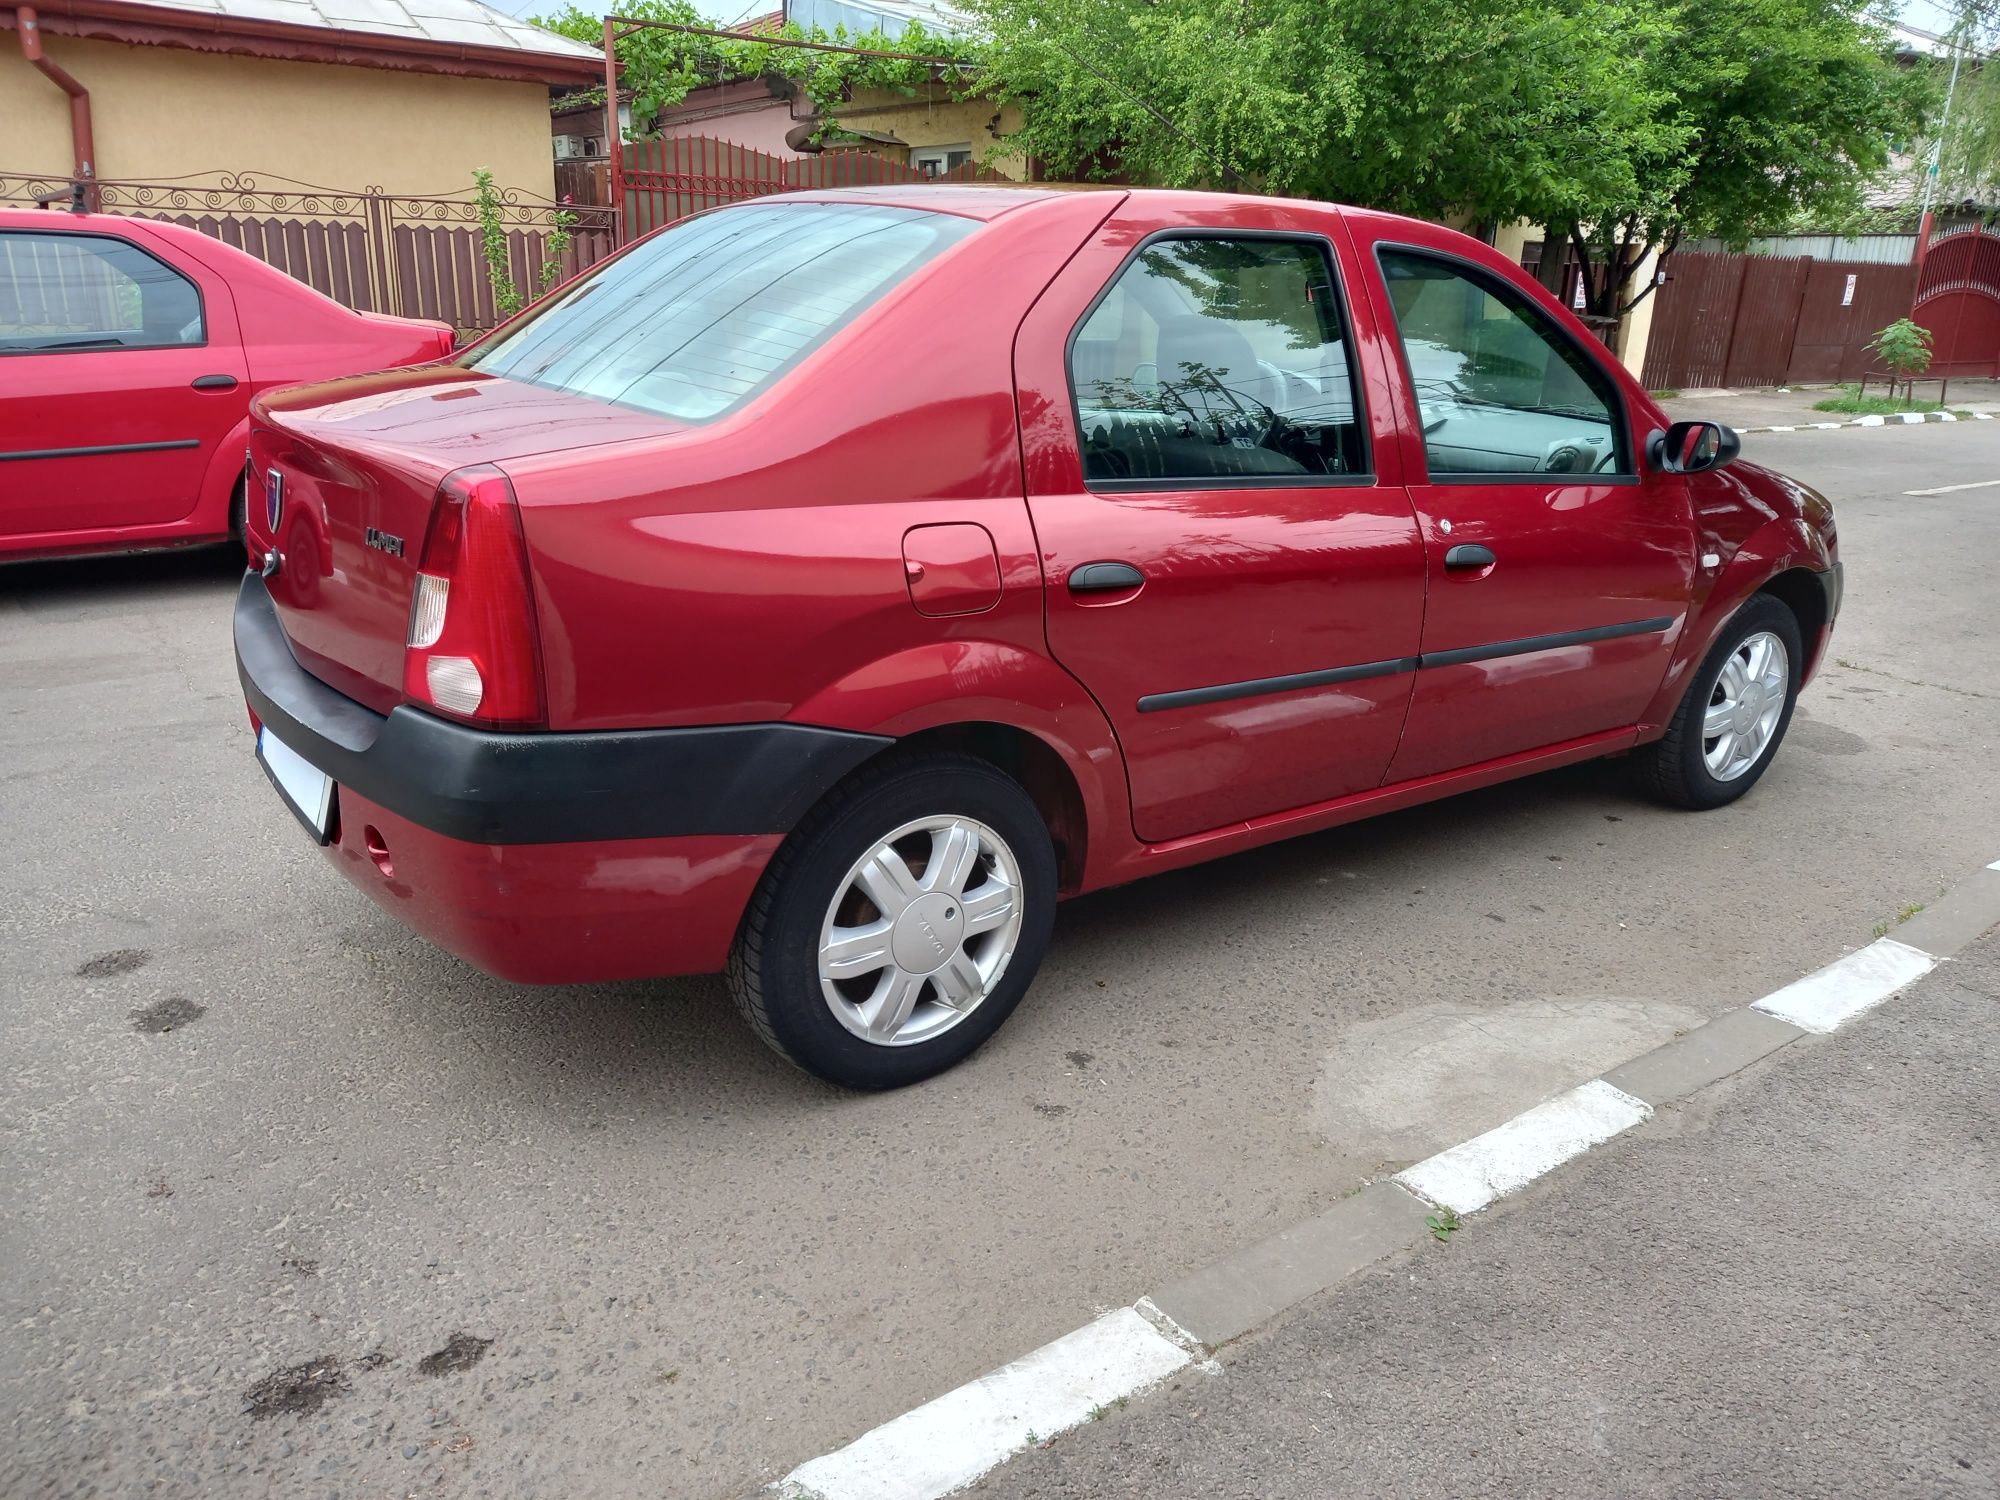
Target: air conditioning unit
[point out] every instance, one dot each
(571, 147)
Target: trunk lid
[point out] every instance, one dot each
(355, 466)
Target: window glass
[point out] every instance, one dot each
(1217, 359)
(702, 316)
(1499, 388)
(91, 291)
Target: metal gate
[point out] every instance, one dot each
(1959, 302)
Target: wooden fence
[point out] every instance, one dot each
(656, 182)
(416, 257)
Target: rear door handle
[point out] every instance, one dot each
(1104, 578)
(215, 382)
(1470, 555)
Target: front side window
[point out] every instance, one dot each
(1216, 360)
(1499, 388)
(701, 317)
(91, 291)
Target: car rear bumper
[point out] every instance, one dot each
(551, 857)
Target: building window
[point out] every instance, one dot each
(936, 161)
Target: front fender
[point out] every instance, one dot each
(1780, 545)
(941, 684)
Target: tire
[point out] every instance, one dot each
(946, 814)
(1680, 768)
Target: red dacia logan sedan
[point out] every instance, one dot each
(129, 352)
(827, 585)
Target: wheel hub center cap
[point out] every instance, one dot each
(928, 932)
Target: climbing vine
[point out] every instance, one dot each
(508, 298)
(661, 67)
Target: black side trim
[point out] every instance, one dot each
(1544, 642)
(492, 788)
(1833, 583)
(94, 452)
(1152, 703)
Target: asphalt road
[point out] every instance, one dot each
(253, 1127)
(1788, 1286)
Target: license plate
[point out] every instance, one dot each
(307, 790)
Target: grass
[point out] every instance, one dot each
(1883, 929)
(1443, 1225)
(1850, 402)
(1664, 395)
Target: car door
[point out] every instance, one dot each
(120, 368)
(1223, 569)
(1560, 565)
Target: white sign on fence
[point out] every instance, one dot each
(1847, 297)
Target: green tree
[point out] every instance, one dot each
(1789, 108)
(661, 67)
(1477, 109)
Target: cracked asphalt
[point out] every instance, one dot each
(269, 1159)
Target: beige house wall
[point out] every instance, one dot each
(167, 112)
(941, 122)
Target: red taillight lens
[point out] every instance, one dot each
(473, 649)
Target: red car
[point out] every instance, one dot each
(825, 586)
(129, 352)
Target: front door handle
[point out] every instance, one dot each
(215, 382)
(1470, 555)
(1104, 578)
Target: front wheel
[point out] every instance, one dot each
(900, 924)
(1735, 713)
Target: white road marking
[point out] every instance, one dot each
(1952, 489)
(946, 1444)
(1868, 422)
(1847, 987)
(1473, 1173)
(1995, 865)
(1781, 429)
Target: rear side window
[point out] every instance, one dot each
(1215, 360)
(91, 291)
(704, 315)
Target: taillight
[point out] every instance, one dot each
(473, 649)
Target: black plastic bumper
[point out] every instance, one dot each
(1834, 582)
(493, 788)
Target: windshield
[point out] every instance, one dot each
(701, 317)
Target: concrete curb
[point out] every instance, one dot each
(951, 1442)
(1892, 419)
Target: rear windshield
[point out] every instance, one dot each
(704, 315)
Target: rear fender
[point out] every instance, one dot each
(218, 485)
(1777, 547)
(942, 684)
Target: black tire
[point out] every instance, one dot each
(1672, 768)
(773, 969)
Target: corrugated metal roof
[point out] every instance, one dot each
(459, 22)
(891, 17)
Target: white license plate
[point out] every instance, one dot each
(305, 787)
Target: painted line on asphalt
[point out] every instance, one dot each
(948, 1443)
(1849, 986)
(1952, 489)
(1507, 1158)
(1892, 419)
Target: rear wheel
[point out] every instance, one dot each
(1735, 714)
(900, 924)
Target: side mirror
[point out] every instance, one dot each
(1693, 447)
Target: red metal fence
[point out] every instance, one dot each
(656, 182)
(1737, 320)
(417, 257)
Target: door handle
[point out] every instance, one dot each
(215, 382)
(1470, 555)
(1104, 578)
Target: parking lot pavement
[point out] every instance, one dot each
(270, 1157)
(1787, 1286)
